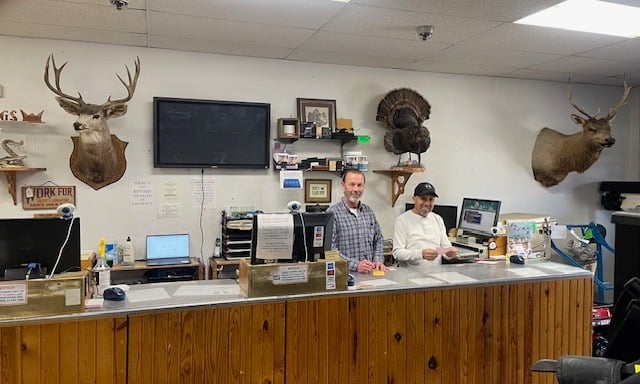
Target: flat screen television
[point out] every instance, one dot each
(190, 133)
(478, 216)
(30, 240)
(311, 236)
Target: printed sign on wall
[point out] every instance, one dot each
(47, 196)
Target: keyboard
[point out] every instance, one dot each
(465, 253)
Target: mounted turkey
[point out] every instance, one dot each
(403, 110)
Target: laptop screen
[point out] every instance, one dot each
(167, 246)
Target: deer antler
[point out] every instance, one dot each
(623, 101)
(57, 90)
(131, 87)
(570, 96)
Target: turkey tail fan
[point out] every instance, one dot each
(402, 98)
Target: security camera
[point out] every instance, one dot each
(294, 206)
(65, 211)
(120, 4)
(425, 32)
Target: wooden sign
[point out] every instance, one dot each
(47, 196)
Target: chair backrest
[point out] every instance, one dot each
(624, 334)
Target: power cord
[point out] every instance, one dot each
(53, 270)
(304, 236)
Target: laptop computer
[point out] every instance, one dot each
(168, 249)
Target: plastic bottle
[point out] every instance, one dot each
(128, 254)
(101, 272)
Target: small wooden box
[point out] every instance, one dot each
(62, 294)
(292, 278)
(288, 128)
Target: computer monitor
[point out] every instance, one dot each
(478, 216)
(31, 240)
(311, 235)
(449, 213)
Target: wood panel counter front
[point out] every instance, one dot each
(450, 324)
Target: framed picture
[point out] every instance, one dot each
(317, 190)
(319, 111)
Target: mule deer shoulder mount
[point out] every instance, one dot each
(98, 156)
(556, 154)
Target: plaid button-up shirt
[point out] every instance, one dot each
(356, 237)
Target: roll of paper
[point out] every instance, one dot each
(289, 129)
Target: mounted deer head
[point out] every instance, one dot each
(556, 154)
(98, 156)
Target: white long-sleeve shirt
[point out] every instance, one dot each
(412, 233)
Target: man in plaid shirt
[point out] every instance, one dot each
(356, 231)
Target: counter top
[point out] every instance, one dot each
(147, 298)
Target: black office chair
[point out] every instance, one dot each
(623, 347)
(589, 370)
(623, 335)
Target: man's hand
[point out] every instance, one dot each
(366, 266)
(429, 254)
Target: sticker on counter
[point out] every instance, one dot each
(292, 274)
(13, 294)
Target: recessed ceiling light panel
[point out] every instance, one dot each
(592, 16)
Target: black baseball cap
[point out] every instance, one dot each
(425, 189)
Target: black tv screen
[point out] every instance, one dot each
(31, 240)
(189, 133)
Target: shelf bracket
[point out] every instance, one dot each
(11, 185)
(10, 174)
(399, 179)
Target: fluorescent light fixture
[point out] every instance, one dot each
(341, 1)
(592, 16)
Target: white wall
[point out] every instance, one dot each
(482, 130)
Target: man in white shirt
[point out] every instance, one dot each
(419, 235)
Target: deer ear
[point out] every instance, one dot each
(578, 120)
(69, 106)
(115, 110)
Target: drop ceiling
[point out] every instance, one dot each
(473, 37)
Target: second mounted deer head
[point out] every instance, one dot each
(98, 156)
(556, 154)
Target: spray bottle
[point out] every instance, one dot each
(101, 272)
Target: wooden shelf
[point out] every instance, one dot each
(10, 173)
(399, 178)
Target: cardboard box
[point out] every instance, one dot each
(292, 278)
(64, 293)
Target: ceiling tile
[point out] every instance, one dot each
(347, 58)
(497, 10)
(219, 47)
(585, 65)
(201, 28)
(73, 15)
(629, 49)
(298, 13)
(372, 46)
(539, 39)
(397, 24)
(459, 68)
